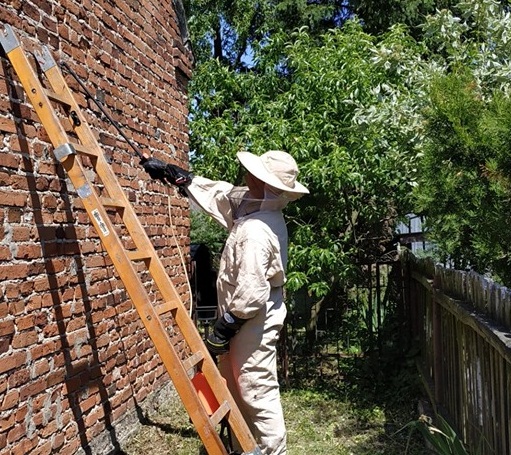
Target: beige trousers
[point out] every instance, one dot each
(250, 370)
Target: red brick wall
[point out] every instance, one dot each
(75, 359)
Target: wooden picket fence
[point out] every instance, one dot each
(462, 323)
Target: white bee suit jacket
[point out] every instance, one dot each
(250, 284)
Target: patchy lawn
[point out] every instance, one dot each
(360, 414)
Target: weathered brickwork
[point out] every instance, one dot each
(75, 359)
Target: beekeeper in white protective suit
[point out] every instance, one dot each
(250, 281)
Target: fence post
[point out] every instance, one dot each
(437, 340)
(409, 300)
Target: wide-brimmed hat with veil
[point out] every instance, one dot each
(276, 168)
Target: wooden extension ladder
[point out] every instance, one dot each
(196, 377)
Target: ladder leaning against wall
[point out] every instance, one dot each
(196, 377)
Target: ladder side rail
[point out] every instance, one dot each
(155, 267)
(138, 233)
(115, 190)
(42, 105)
(236, 420)
(154, 326)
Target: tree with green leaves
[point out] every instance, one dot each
(373, 138)
(464, 181)
(378, 16)
(346, 107)
(228, 30)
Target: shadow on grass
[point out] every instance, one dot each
(171, 429)
(167, 428)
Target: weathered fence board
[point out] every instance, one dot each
(462, 322)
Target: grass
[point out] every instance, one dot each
(362, 413)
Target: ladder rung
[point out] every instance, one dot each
(80, 148)
(165, 307)
(55, 97)
(193, 360)
(137, 255)
(220, 413)
(109, 202)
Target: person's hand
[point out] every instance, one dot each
(217, 345)
(155, 168)
(167, 173)
(177, 176)
(224, 329)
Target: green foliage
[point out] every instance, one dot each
(378, 16)
(441, 437)
(380, 126)
(346, 107)
(464, 184)
(228, 30)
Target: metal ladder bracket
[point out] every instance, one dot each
(8, 39)
(63, 151)
(45, 59)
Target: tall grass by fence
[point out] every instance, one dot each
(462, 322)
